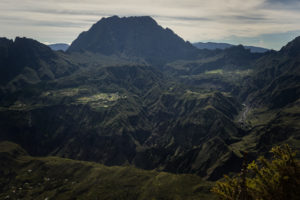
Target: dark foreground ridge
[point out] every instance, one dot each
(25, 177)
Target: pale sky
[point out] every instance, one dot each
(265, 23)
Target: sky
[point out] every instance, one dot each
(264, 23)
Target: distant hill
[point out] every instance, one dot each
(59, 46)
(134, 37)
(213, 46)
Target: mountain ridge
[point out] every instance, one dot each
(27, 177)
(215, 45)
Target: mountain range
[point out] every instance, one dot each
(214, 46)
(128, 92)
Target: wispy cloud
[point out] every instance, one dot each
(194, 20)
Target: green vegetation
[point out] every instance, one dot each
(99, 97)
(217, 71)
(277, 179)
(25, 177)
(100, 100)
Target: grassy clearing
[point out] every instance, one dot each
(203, 94)
(85, 96)
(229, 72)
(99, 97)
(100, 100)
(198, 95)
(217, 71)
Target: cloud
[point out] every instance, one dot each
(18, 21)
(194, 20)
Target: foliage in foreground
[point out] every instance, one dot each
(278, 179)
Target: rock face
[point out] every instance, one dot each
(133, 36)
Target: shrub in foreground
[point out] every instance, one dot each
(275, 179)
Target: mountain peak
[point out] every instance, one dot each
(31, 48)
(26, 47)
(135, 37)
(19, 54)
